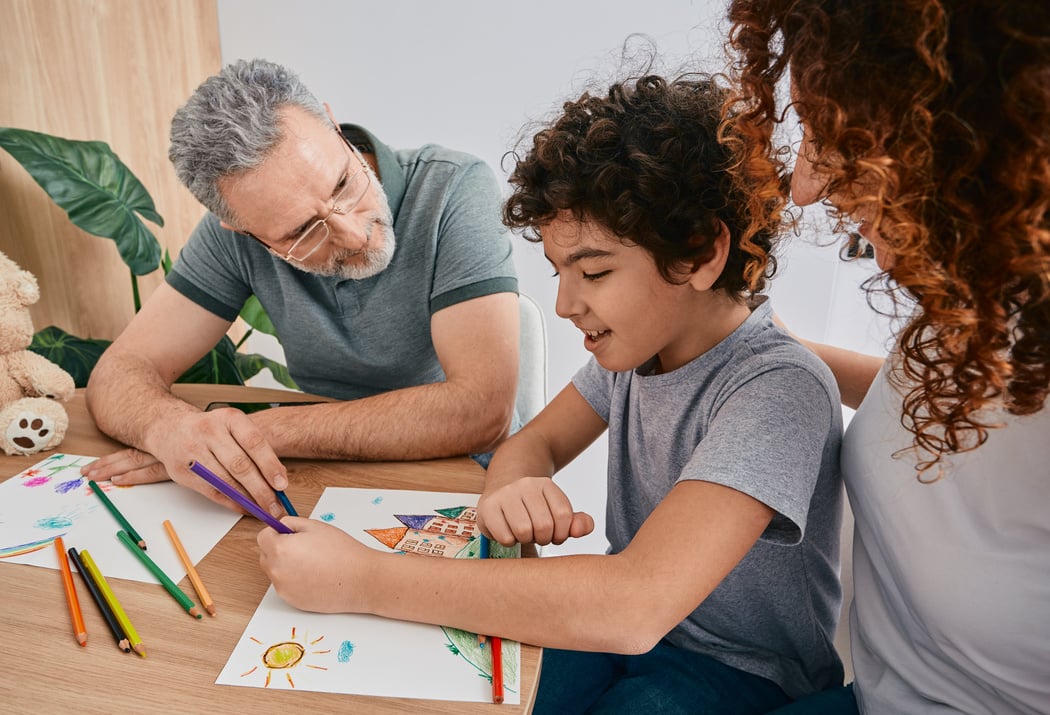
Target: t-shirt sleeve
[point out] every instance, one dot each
(474, 255)
(209, 272)
(595, 385)
(767, 440)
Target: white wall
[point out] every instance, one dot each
(469, 74)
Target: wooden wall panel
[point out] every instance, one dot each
(115, 71)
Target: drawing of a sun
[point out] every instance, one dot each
(287, 655)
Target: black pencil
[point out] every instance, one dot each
(107, 614)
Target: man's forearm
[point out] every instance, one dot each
(127, 399)
(423, 422)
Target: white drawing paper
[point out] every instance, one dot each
(288, 649)
(52, 499)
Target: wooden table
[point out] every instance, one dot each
(45, 671)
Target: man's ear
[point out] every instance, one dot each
(709, 271)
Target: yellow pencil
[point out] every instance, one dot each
(114, 604)
(195, 578)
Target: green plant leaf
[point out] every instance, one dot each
(77, 356)
(95, 188)
(250, 365)
(218, 367)
(255, 315)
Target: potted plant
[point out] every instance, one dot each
(102, 196)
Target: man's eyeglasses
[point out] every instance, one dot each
(315, 235)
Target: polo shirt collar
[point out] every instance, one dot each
(391, 177)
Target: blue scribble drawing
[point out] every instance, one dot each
(54, 522)
(328, 516)
(346, 649)
(63, 487)
(377, 501)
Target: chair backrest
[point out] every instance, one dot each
(532, 361)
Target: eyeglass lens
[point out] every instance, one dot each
(344, 202)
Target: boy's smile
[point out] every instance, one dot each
(613, 292)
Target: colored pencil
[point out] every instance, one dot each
(117, 515)
(71, 593)
(497, 669)
(191, 571)
(100, 601)
(177, 593)
(114, 604)
(483, 555)
(286, 503)
(251, 507)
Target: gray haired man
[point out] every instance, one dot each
(387, 274)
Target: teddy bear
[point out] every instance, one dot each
(31, 418)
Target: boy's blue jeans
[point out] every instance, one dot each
(664, 680)
(836, 701)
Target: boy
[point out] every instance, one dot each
(720, 587)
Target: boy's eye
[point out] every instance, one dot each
(595, 276)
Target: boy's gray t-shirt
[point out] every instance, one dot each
(355, 338)
(759, 413)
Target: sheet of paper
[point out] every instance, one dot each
(51, 499)
(284, 648)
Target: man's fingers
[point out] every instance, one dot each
(148, 475)
(117, 463)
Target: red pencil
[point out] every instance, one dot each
(496, 644)
(71, 593)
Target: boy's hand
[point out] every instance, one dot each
(318, 568)
(531, 510)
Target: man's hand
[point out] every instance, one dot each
(531, 510)
(319, 568)
(226, 441)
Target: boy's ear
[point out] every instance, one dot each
(709, 271)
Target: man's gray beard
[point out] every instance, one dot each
(368, 261)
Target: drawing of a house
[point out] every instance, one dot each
(444, 535)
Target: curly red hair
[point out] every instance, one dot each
(936, 114)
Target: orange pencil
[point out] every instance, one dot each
(71, 593)
(195, 579)
(497, 669)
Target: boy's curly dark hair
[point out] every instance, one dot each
(645, 162)
(936, 113)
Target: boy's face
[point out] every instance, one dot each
(616, 296)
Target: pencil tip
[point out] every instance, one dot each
(142, 545)
(82, 638)
(211, 610)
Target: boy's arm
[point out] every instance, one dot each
(521, 503)
(622, 603)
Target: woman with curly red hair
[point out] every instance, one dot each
(927, 123)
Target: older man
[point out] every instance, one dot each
(387, 274)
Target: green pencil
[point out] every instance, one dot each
(176, 592)
(117, 515)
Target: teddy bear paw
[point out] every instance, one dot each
(31, 433)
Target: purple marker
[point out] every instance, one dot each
(251, 507)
